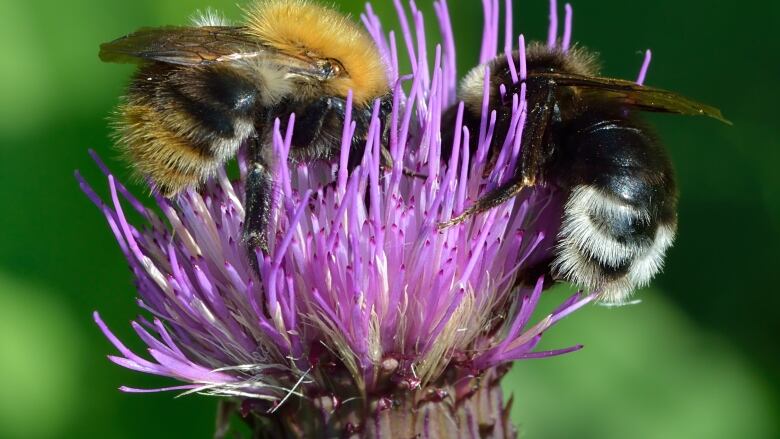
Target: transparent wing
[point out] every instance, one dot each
(633, 95)
(183, 45)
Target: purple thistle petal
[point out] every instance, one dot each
(552, 31)
(564, 312)
(508, 35)
(523, 65)
(448, 43)
(137, 205)
(407, 34)
(645, 66)
(567, 28)
(348, 132)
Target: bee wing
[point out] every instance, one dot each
(182, 45)
(634, 95)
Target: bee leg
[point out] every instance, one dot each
(387, 162)
(257, 206)
(492, 199)
(525, 173)
(358, 143)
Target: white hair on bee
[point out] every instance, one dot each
(584, 248)
(618, 304)
(472, 87)
(209, 17)
(652, 261)
(271, 79)
(578, 230)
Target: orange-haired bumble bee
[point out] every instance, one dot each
(584, 138)
(202, 92)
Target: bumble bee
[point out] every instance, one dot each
(584, 138)
(202, 92)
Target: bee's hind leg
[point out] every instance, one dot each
(524, 175)
(492, 199)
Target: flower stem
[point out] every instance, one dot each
(462, 406)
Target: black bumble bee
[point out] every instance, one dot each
(584, 136)
(201, 92)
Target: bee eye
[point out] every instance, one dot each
(335, 68)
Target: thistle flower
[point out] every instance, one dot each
(366, 319)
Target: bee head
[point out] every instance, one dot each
(343, 55)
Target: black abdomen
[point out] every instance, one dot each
(621, 213)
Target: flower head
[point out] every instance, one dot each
(362, 295)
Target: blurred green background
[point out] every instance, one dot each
(699, 358)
